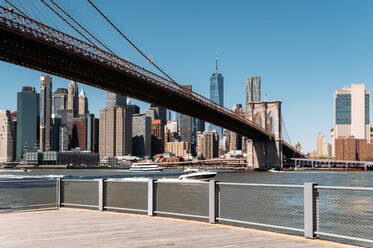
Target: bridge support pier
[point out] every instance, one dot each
(264, 154)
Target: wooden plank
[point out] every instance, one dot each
(88, 228)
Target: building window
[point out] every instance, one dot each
(343, 109)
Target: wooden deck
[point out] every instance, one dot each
(88, 228)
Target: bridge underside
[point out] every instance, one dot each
(22, 49)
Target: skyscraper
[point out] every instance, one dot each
(107, 140)
(161, 112)
(72, 98)
(45, 112)
(124, 132)
(322, 146)
(7, 137)
(115, 100)
(84, 134)
(351, 112)
(56, 127)
(115, 127)
(115, 132)
(27, 121)
(141, 135)
(132, 108)
(59, 100)
(65, 130)
(208, 145)
(188, 128)
(83, 103)
(252, 89)
(152, 114)
(200, 125)
(235, 140)
(157, 133)
(170, 132)
(217, 94)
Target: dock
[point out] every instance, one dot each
(68, 227)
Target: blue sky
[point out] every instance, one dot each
(303, 50)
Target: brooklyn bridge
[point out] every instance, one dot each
(29, 43)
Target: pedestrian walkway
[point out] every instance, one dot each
(72, 228)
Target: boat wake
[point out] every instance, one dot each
(129, 179)
(11, 170)
(176, 180)
(12, 176)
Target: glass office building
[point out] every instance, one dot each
(27, 121)
(351, 114)
(217, 96)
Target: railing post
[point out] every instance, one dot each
(59, 192)
(310, 210)
(101, 194)
(152, 196)
(213, 201)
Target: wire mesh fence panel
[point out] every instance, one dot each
(183, 198)
(133, 195)
(263, 205)
(24, 194)
(347, 213)
(82, 193)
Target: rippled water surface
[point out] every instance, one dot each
(341, 212)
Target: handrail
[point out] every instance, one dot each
(262, 185)
(344, 188)
(311, 210)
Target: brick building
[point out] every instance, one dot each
(353, 149)
(157, 133)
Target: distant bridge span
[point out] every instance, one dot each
(31, 44)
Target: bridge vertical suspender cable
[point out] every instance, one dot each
(77, 23)
(287, 134)
(67, 22)
(20, 11)
(117, 29)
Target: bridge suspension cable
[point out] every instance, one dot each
(287, 134)
(83, 28)
(286, 131)
(67, 22)
(15, 7)
(132, 44)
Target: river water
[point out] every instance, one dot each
(340, 212)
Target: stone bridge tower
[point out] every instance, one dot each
(265, 154)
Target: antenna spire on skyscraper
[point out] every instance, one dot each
(216, 62)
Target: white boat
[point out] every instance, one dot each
(197, 174)
(145, 167)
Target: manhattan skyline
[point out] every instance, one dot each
(302, 56)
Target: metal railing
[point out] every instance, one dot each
(271, 206)
(327, 212)
(40, 194)
(36, 30)
(348, 214)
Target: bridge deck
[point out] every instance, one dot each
(87, 228)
